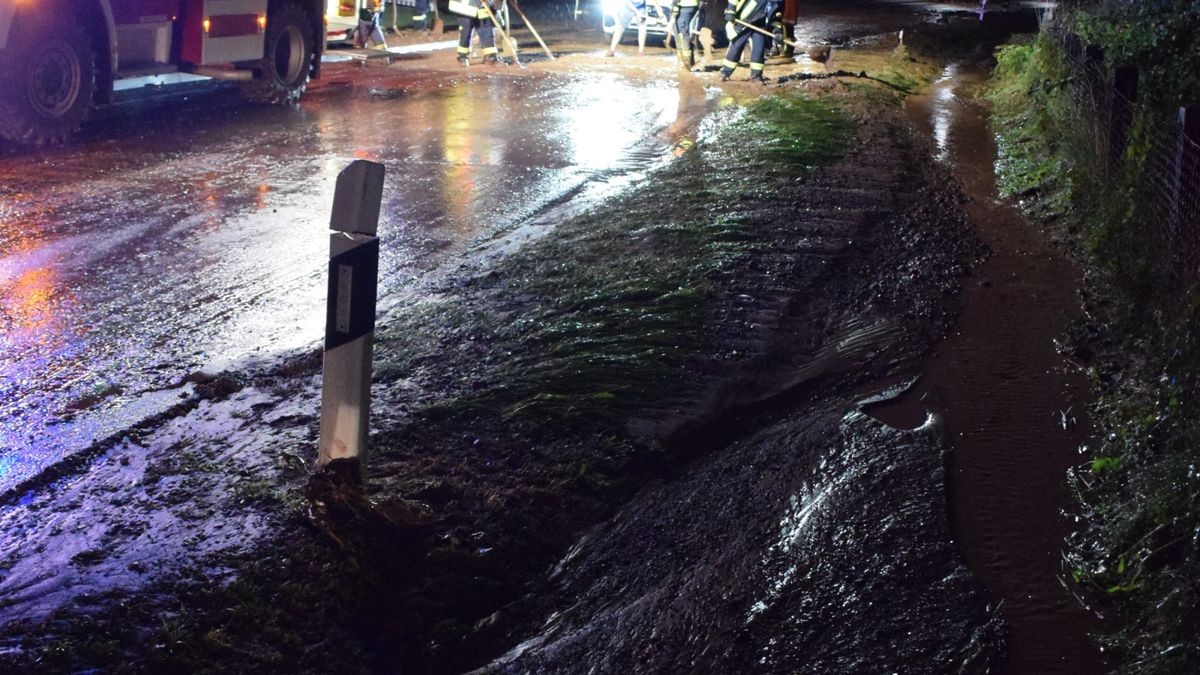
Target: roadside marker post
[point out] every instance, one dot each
(1185, 190)
(350, 315)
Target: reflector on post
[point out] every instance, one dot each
(357, 198)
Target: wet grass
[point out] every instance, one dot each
(1139, 543)
(611, 313)
(1031, 165)
(796, 132)
(1140, 497)
(597, 321)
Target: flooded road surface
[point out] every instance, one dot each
(1014, 408)
(851, 23)
(192, 236)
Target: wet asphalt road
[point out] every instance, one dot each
(190, 234)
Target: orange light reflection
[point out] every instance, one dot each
(29, 303)
(463, 147)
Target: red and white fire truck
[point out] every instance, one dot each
(58, 58)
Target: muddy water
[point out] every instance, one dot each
(1014, 408)
(191, 235)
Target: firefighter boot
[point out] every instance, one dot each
(687, 57)
(756, 75)
(463, 60)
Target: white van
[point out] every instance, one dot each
(658, 13)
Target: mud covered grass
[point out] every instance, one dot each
(600, 320)
(571, 361)
(1139, 545)
(554, 354)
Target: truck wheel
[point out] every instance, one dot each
(50, 76)
(291, 46)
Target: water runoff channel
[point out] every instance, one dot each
(1014, 408)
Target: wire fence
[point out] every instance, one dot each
(1144, 156)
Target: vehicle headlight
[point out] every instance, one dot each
(611, 6)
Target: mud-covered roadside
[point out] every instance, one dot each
(841, 561)
(841, 278)
(800, 248)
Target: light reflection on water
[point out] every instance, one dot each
(129, 264)
(598, 137)
(942, 110)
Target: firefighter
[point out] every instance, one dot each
(369, 33)
(682, 13)
(421, 15)
(764, 15)
(472, 16)
(790, 11)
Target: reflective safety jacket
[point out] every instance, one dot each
(471, 8)
(757, 12)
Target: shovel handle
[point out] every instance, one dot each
(532, 29)
(512, 48)
(765, 32)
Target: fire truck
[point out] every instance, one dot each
(59, 58)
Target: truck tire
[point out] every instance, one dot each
(50, 78)
(290, 49)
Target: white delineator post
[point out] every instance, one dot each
(350, 317)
